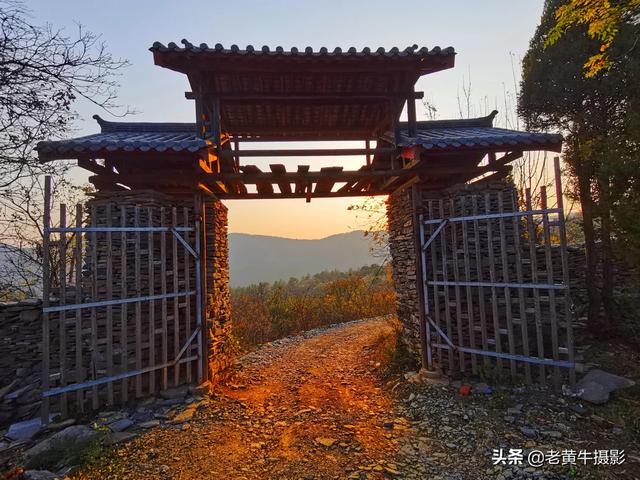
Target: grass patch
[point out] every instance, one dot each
(392, 353)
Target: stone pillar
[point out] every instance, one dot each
(219, 347)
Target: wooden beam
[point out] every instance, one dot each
(353, 97)
(300, 184)
(325, 185)
(411, 116)
(278, 169)
(307, 195)
(264, 187)
(308, 152)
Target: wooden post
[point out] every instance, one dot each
(522, 310)
(94, 313)
(417, 245)
(62, 318)
(187, 288)
(163, 291)
(124, 334)
(435, 289)
(152, 305)
(198, 221)
(411, 115)
(552, 294)
(456, 277)
(109, 280)
(532, 237)
(138, 305)
(176, 300)
(46, 285)
(565, 266)
(507, 290)
(467, 274)
(445, 276)
(497, 336)
(80, 370)
(480, 277)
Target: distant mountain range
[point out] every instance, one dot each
(260, 258)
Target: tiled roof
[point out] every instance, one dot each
(127, 137)
(475, 134)
(412, 51)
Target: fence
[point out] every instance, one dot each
(122, 306)
(495, 284)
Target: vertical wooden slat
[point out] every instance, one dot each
(109, 286)
(46, 286)
(138, 305)
(507, 290)
(124, 334)
(416, 223)
(187, 288)
(176, 301)
(94, 313)
(198, 220)
(552, 293)
(480, 277)
(447, 311)
(152, 306)
(492, 278)
(425, 292)
(62, 275)
(522, 309)
(163, 287)
(532, 238)
(467, 278)
(435, 289)
(80, 370)
(456, 277)
(565, 267)
(204, 287)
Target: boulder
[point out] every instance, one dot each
(75, 434)
(175, 393)
(120, 425)
(39, 475)
(596, 386)
(24, 430)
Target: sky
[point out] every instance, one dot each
(490, 38)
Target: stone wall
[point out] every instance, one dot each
(20, 359)
(522, 321)
(218, 315)
(136, 338)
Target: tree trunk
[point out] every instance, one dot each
(607, 249)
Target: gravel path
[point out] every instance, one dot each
(314, 407)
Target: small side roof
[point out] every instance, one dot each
(474, 134)
(126, 137)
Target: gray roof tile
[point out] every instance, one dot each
(128, 137)
(412, 50)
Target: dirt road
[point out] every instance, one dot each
(315, 407)
(298, 408)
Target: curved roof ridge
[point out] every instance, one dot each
(412, 50)
(486, 121)
(110, 127)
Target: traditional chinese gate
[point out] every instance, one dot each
(122, 303)
(496, 284)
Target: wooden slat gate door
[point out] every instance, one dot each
(495, 285)
(122, 304)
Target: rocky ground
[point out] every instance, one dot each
(329, 404)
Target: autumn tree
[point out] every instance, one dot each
(598, 116)
(602, 19)
(43, 71)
